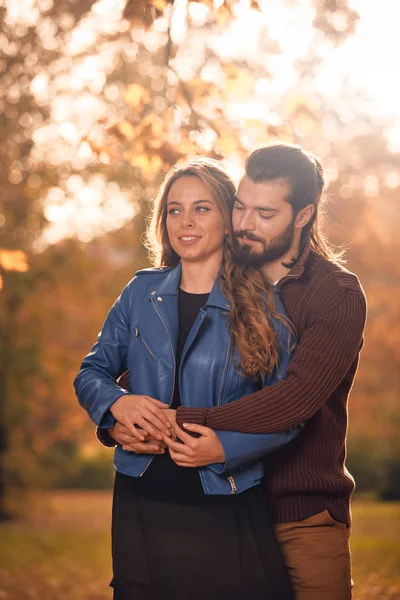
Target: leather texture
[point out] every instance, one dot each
(140, 334)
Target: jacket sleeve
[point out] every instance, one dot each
(247, 448)
(324, 355)
(95, 384)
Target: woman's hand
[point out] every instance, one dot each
(195, 452)
(124, 438)
(145, 412)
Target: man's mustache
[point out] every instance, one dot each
(248, 235)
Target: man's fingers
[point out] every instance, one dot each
(119, 429)
(135, 432)
(126, 440)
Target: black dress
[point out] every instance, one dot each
(170, 541)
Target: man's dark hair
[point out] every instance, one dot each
(305, 176)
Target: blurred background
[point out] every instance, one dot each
(97, 100)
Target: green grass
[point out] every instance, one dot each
(375, 546)
(62, 551)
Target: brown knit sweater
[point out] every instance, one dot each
(326, 304)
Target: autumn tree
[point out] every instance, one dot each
(95, 105)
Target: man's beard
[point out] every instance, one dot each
(277, 247)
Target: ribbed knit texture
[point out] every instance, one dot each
(327, 307)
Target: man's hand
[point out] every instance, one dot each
(195, 452)
(124, 438)
(145, 412)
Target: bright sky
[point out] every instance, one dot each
(370, 58)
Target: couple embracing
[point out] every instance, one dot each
(237, 354)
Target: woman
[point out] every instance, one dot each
(190, 533)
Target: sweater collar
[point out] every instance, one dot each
(298, 269)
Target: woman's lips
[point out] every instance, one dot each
(188, 240)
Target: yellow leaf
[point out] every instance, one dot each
(227, 144)
(127, 129)
(136, 95)
(149, 165)
(239, 83)
(13, 260)
(160, 5)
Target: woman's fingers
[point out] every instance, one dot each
(180, 459)
(161, 426)
(200, 429)
(143, 448)
(133, 409)
(185, 437)
(181, 449)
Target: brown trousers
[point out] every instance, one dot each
(317, 554)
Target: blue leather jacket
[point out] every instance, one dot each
(141, 333)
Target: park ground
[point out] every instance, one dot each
(62, 551)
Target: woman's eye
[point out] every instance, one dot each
(203, 209)
(173, 211)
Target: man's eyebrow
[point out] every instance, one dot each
(260, 208)
(266, 209)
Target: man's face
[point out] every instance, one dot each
(263, 221)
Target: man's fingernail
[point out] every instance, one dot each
(169, 425)
(185, 424)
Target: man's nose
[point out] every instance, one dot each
(247, 221)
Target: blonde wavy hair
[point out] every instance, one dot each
(249, 294)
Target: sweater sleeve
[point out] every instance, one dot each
(323, 356)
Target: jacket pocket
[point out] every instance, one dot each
(144, 343)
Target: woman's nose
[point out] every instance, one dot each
(187, 221)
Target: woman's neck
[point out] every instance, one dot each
(199, 278)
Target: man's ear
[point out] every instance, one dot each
(304, 216)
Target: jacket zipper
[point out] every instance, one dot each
(138, 335)
(173, 384)
(172, 348)
(223, 376)
(233, 484)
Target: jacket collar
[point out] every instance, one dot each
(169, 286)
(217, 298)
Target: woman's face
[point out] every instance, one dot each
(195, 225)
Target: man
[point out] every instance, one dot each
(277, 225)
